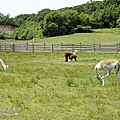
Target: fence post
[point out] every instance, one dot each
(44, 46)
(52, 48)
(13, 47)
(99, 47)
(118, 46)
(94, 47)
(61, 46)
(0, 46)
(26, 46)
(33, 47)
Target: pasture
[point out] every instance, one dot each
(41, 86)
(98, 36)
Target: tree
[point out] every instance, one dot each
(72, 19)
(42, 14)
(63, 22)
(53, 23)
(85, 19)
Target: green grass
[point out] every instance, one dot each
(99, 36)
(42, 87)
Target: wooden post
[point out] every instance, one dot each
(44, 46)
(13, 47)
(94, 48)
(118, 46)
(61, 46)
(99, 46)
(0, 46)
(26, 46)
(52, 48)
(33, 47)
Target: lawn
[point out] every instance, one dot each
(41, 86)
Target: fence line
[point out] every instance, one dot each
(46, 47)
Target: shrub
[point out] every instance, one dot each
(2, 36)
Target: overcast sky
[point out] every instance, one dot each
(17, 7)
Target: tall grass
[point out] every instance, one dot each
(41, 86)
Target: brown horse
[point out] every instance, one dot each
(67, 55)
(73, 57)
(70, 56)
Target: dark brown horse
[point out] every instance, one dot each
(67, 56)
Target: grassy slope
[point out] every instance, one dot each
(49, 89)
(83, 38)
(99, 36)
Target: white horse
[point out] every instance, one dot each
(107, 65)
(75, 51)
(4, 66)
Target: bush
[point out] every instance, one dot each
(82, 29)
(2, 36)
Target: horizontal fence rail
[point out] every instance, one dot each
(46, 47)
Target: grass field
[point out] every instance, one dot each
(40, 87)
(98, 36)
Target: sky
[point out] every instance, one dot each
(17, 7)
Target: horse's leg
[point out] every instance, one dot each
(66, 58)
(102, 81)
(103, 77)
(75, 59)
(107, 74)
(97, 75)
(118, 79)
(70, 59)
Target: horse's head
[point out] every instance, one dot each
(6, 68)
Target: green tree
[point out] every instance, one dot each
(85, 19)
(72, 19)
(42, 14)
(97, 19)
(53, 23)
(60, 22)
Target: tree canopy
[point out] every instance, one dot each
(80, 18)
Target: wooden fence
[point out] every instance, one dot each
(83, 47)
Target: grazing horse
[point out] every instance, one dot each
(107, 65)
(4, 66)
(70, 56)
(67, 55)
